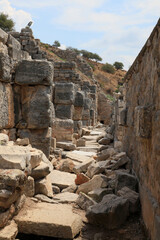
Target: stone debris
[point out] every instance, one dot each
(111, 212)
(9, 232)
(66, 197)
(62, 179)
(66, 146)
(81, 178)
(50, 220)
(84, 201)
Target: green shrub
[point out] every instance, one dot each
(118, 65)
(108, 68)
(6, 23)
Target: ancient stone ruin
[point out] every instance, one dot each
(61, 171)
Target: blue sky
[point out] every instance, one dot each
(115, 29)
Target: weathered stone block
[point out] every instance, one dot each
(6, 106)
(64, 93)
(63, 129)
(77, 115)
(5, 68)
(123, 117)
(34, 73)
(64, 111)
(39, 138)
(79, 99)
(14, 48)
(86, 114)
(87, 103)
(37, 108)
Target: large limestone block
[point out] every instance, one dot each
(63, 129)
(62, 179)
(66, 197)
(77, 114)
(14, 157)
(39, 138)
(44, 186)
(34, 73)
(37, 108)
(6, 106)
(48, 220)
(69, 146)
(79, 99)
(64, 93)
(64, 111)
(111, 212)
(9, 232)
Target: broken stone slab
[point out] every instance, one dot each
(41, 171)
(82, 167)
(97, 181)
(105, 154)
(62, 179)
(9, 232)
(105, 141)
(69, 146)
(111, 212)
(133, 198)
(84, 201)
(45, 160)
(99, 193)
(97, 167)
(50, 220)
(121, 159)
(3, 139)
(44, 198)
(66, 197)
(124, 179)
(34, 72)
(14, 157)
(72, 189)
(81, 178)
(80, 156)
(44, 186)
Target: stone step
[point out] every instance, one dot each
(51, 220)
(80, 156)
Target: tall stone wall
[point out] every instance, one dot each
(138, 126)
(25, 94)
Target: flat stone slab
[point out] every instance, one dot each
(9, 232)
(80, 156)
(95, 133)
(50, 220)
(66, 197)
(62, 179)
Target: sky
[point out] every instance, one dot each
(114, 29)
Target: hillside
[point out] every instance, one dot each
(88, 70)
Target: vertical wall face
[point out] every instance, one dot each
(75, 102)
(25, 91)
(141, 135)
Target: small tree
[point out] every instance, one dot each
(118, 65)
(56, 43)
(108, 68)
(6, 23)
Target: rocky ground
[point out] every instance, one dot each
(86, 191)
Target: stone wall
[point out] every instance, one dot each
(104, 109)
(25, 94)
(137, 126)
(75, 102)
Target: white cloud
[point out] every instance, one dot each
(20, 17)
